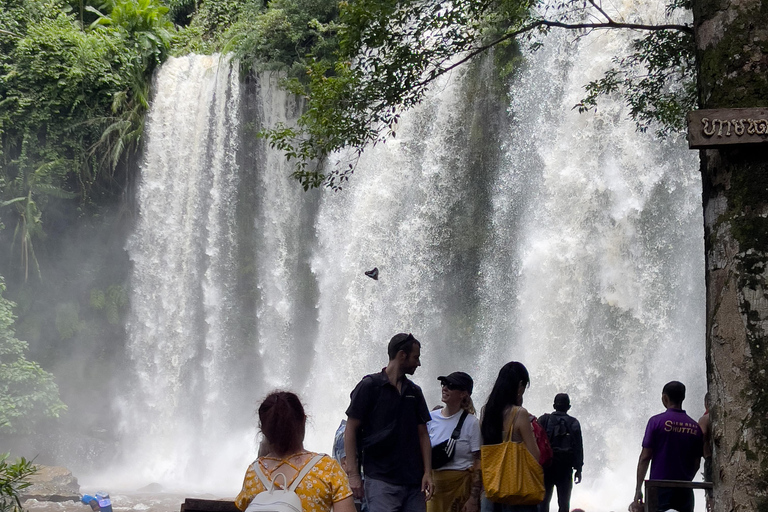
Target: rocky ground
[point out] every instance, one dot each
(55, 489)
(141, 502)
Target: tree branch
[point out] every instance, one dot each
(9, 33)
(555, 24)
(600, 10)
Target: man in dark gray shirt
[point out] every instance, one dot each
(387, 421)
(564, 433)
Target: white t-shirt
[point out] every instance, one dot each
(441, 428)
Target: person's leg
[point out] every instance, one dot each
(549, 487)
(564, 484)
(682, 500)
(664, 495)
(382, 496)
(413, 499)
(487, 505)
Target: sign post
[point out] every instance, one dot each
(727, 126)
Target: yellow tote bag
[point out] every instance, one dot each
(510, 473)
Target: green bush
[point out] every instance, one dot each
(13, 479)
(28, 393)
(287, 35)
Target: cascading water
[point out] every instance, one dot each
(520, 231)
(184, 312)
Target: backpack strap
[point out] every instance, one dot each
(267, 483)
(457, 431)
(455, 435)
(567, 425)
(367, 439)
(307, 467)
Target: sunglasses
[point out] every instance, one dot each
(451, 387)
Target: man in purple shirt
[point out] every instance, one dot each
(672, 446)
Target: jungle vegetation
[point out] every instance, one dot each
(28, 393)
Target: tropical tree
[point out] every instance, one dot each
(28, 393)
(146, 28)
(28, 187)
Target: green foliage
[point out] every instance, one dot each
(148, 29)
(98, 299)
(27, 392)
(28, 189)
(391, 51)
(181, 11)
(112, 303)
(215, 16)
(13, 480)
(287, 36)
(68, 319)
(398, 48)
(656, 81)
(74, 95)
(206, 29)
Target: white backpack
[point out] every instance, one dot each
(279, 500)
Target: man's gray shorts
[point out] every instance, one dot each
(384, 497)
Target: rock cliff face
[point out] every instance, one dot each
(52, 483)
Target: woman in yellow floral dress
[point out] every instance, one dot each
(282, 421)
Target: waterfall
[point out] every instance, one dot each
(505, 227)
(182, 328)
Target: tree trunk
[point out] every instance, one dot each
(732, 61)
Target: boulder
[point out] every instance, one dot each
(153, 488)
(52, 483)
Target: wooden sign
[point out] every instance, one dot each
(727, 126)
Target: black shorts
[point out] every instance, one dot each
(675, 499)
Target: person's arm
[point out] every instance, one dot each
(350, 447)
(345, 505)
(704, 425)
(334, 477)
(244, 497)
(473, 503)
(642, 468)
(578, 459)
(524, 427)
(427, 487)
(696, 462)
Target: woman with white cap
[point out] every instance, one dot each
(455, 430)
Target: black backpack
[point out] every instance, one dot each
(559, 434)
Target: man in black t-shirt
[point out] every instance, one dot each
(387, 423)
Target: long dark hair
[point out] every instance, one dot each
(282, 421)
(503, 395)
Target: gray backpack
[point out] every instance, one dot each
(279, 500)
